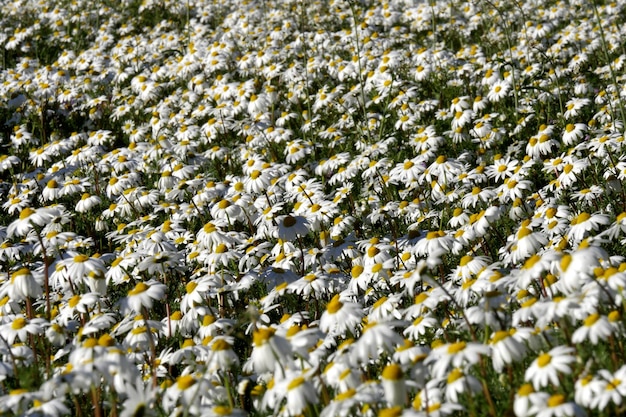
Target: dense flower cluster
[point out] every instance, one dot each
(334, 208)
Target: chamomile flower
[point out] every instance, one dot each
(271, 352)
(19, 327)
(290, 227)
(376, 338)
(143, 295)
(498, 91)
(458, 355)
(459, 382)
(585, 223)
(505, 349)
(573, 133)
(87, 202)
(140, 399)
(596, 327)
(545, 369)
(394, 385)
(342, 317)
(23, 284)
(29, 218)
(608, 388)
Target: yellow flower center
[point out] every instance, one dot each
(499, 336)
(456, 347)
(184, 382)
(209, 228)
(106, 340)
(581, 218)
(18, 323)
(92, 342)
(454, 375)
(544, 360)
(139, 288)
(556, 400)
(592, 319)
(191, 286)
(80, 258)
(220, 345)
(73, 302)
(295, 383)
(261, 336)
(356, 271)
(392, 372)
(222, 410)
(565, 261)
(26, 213)
(525, 390)
(465, 260)
(345, 395)
(334, 305)
(390, 412)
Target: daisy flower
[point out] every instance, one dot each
(608, 388)
(574, 106)
(595, 328)
(525, 398)
(545, 369)
(457, 354)
(222, 356)
(23, 284)
(501, 169)
(573, 133)
(19, 328)
(140, 399)
(187, 391)
(341, 317)
(434, 243)
(289, 227)
(394, 385)
(556, 406)
(376, 338)
(299, 392)
(87, 202)
(498, 90)
(460, 382)
(29, 218)
(143, 295)
(271, 352)
(585, 223)
(505, 349)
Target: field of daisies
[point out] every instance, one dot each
(325, 208)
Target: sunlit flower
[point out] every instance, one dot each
(546, 367)
(19, 328)
(29, 218)
(457, 355)
(505, 349)
(271, 353)
(23, 284)
(341, 316)
(289, 227)
(459, 382)
(144, 294)
(394, 385)
(498, 91)
(595, 328)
